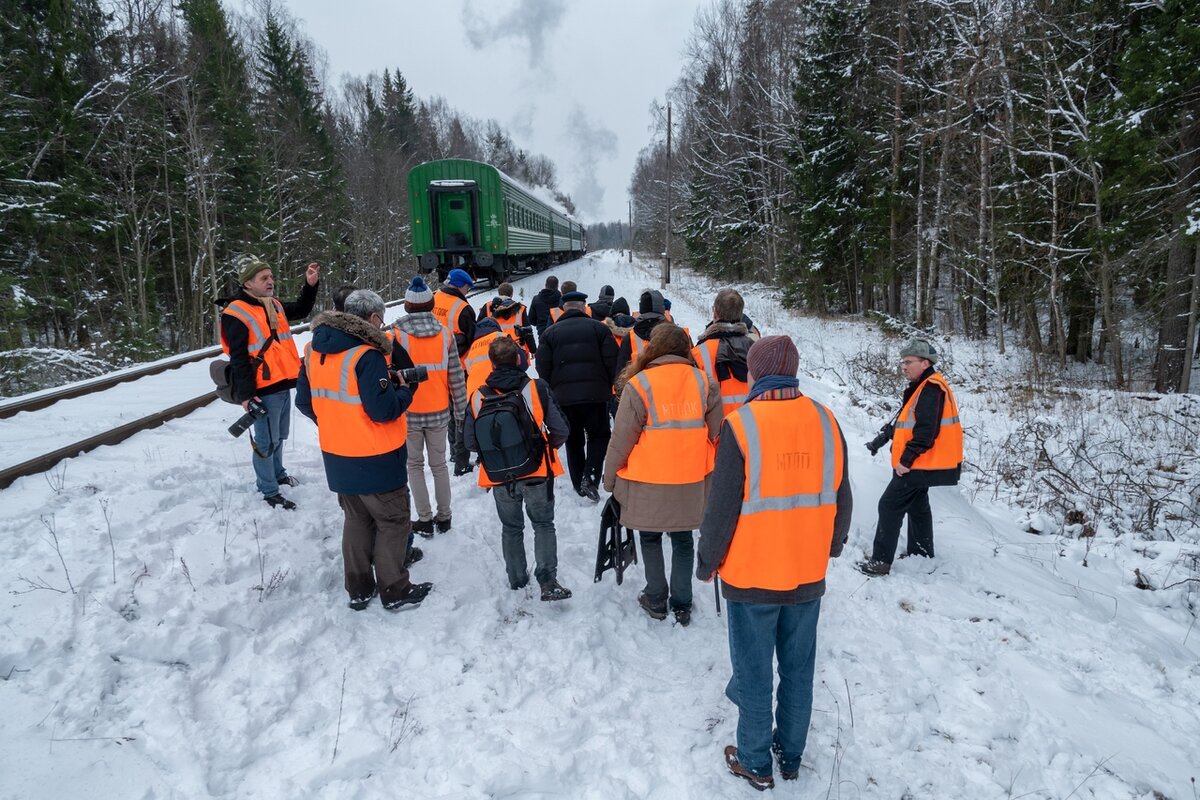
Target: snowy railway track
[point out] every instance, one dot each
(111, 434)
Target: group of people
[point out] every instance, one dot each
(714, 436)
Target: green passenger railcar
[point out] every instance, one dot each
(470, 215)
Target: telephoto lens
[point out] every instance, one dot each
(253, 412)
(414, 374)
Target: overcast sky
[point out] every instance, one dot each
(573, 79)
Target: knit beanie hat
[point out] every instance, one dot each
(418, 297)
(773, 355)
(460, 278)
(607, 293)
(651, 301)
(920, 348)
(248, 266)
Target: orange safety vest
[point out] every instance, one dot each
(947, 450)
(733, 391)
(510, 324)
(431, 353)
(637, 343)
(448, 308)
(555, 313)
(789, 494)
(674, 447)
(534, 403)
(343, 428)
(479, 366)
(281, 362)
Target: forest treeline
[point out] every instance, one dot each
(144, 143)
(1018, 168)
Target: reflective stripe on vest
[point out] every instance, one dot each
(534, 403)
(432, 353)
(947, 449)
(789, 494)
(343, 427)
(281, 361)
(479, 365)
(673, 447)
(733, 391)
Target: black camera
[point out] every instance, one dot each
(885, 436)
(253, 412)
(411, 375)
(524, 331)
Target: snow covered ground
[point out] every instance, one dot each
(207, 649)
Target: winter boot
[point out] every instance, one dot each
(413, 597)
(874, 568)
(786, 774)
(423, 527)
(656, 612)
(588, 489)
(443, 525)
(683, 616)
(736, 768)
(279, 501)
(553, 590)
(288, 480)
(359, 603)
(414, 555)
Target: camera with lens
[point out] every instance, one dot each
(885, 435)
(524, 332)
(253, 412)
(410, 375)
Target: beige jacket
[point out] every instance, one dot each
(655, 506)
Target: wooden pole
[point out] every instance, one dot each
(666, 264)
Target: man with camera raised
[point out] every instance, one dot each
(264, 365)
(443, 397)
(358, 405)
(927, 450)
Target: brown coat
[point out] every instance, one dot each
(655, 506)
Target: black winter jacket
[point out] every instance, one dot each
(539, 308)
(578, 358)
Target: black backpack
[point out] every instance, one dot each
(731, 357)
(511, 444)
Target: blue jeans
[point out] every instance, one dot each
(269, 432)
(756, 633)
(538, 501)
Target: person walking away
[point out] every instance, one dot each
(451, 308)
(534, 489)
(603, 307)
(543, 301)
(512, 319)
(650, 314)
(358, 405)
(479, 364)
(578, 359)
(659, 459)
(779, 508)
(257, 337)
(568, 287)
(927, 450)
(722, 348)
(441, 399)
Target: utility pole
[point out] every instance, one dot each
(631, 231)
(666, 256)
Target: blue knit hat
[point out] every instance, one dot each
(459, 277)
(418, 294)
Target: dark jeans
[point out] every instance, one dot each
(903, 496)
(376, 536)
(756, 633)
(683, 550)
(589, 423)
(538, 500)
(269, 433)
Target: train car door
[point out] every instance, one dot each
(455, 215)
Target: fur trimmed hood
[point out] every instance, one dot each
(352, 326)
